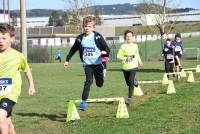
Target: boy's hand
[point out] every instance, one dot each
(31, 91)
(103, 52)
(66, 64)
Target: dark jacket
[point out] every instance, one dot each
(99, 41)
(168, 53)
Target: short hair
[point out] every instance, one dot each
(178, 35)
(7, 28)
(88, 19)
(168, 39)
(126, 32)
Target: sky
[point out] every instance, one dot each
(60, 4)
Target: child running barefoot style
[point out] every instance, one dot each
(91, 46)
(11, 63)
(130, 59)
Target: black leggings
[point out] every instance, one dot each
(90, 70)
(169, 67)
(129, 76)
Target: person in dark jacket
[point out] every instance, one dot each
(168, 53)
(91, 46)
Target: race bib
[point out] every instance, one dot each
(130, 59)
(5, 86)
(178, 48)
(89, 52)
(170, 56)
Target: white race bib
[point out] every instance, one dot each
(130, 59)
(170, 56)
(5, 86)
(178, 48)
(89, 52)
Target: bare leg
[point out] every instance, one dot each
(104, 72)
(178, 60)
(11, 126)
(3, 122)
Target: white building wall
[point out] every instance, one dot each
(4, 20)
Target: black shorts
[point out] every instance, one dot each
(7, 105)
(178, 54)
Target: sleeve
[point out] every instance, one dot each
(181, 46)
(138, 56)
(104, 45)
(120, 55)
(24, 64)
(73, 50)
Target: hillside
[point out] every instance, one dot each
(115, 9)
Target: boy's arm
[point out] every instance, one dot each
(138, 58)
(120, 55)
(29, 76)
(72, 51)
(106, 49)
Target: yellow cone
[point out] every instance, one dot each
(198, 69)
(138, 91)
(183, 74)
(122, 111)
(165, 79)
(171, 88)
(72, 113)
(191, 77)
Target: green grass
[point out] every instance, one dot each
(141, 30)
(154, 113)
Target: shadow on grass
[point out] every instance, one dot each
(53, 117)
(139, 70)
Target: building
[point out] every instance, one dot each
(4, 18)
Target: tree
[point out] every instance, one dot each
(74, 23)
(158, 13)
(14, 20)
(65, 17)
(97, 16)
(54, 18)
(79, 9)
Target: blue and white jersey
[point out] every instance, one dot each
(178, 46)
(91, 53)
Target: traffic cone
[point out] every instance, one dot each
(198, 69)
(122, 111)
(72, 113)
(191, 77)
(183, 74)
(171, 88)
(165, 79)
(137, 91)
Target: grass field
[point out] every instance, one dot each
(154, 113)
(178, 28)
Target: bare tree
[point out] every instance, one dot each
(156, 12)
(79, 9)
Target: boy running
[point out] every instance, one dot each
(168, 53)
(178, 48)
(91, 46)
(11, 63)
(129, 56)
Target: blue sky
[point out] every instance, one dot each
(60, 4)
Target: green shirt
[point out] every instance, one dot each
(10, 79)
(129, 56)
